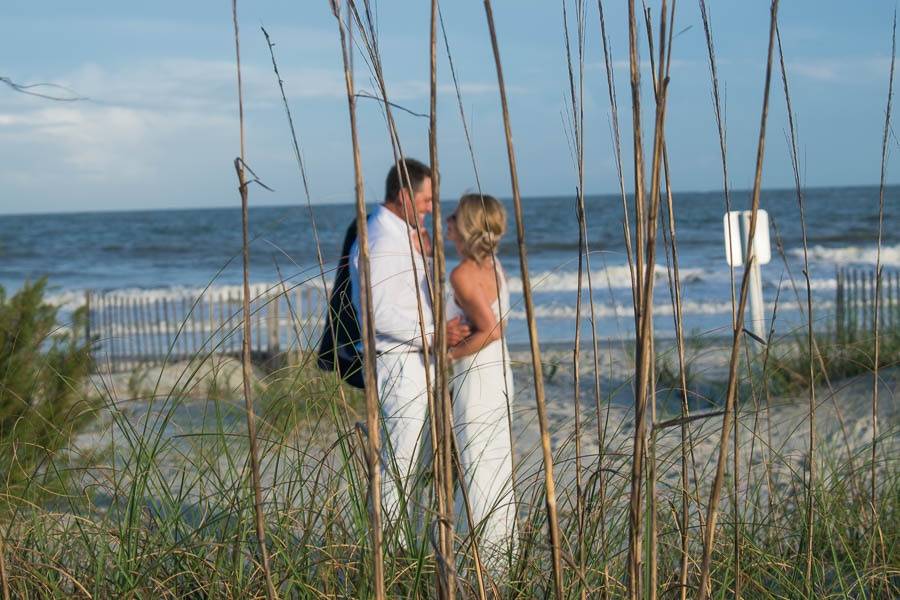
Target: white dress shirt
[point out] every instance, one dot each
(394, 284)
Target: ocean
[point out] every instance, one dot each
(183, 251)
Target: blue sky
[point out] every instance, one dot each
(160, 129)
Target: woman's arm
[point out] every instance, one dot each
(477, 308)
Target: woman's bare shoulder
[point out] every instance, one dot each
(464, 276)
(463, 269)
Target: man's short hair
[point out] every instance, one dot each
(396, 180)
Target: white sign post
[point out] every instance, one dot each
(737, 234)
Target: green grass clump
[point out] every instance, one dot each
(789, 359)
(43, 366)
(169, 512)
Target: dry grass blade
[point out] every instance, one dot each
(441, 400)
(298, 156)
(443, 367)
(687, 442)
(442, 427)
(635, 553)
(368, 331)
(440, 411)
(812, 349)
(877, 300)
(239, 165)
(645, 285)
(660, 83)
(549, 483)
(731, 391)
(577, 100)
(629, 252)
(494, 263)
(442, 388)
(884, 145)
(720, 126)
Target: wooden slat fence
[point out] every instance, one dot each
(131, 330)
(854, 315)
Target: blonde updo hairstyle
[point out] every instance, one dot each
(481, 222)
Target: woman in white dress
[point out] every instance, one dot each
(482, 384)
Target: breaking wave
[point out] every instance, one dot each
(561, 311)
(616, 277)
(852, 255)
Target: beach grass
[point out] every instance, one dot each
(166, 505)
(770, 477)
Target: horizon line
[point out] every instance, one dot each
(350, 201)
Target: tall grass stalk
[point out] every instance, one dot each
(878, 272)
(320, 259)
(659, 79)
(629, 251)
(731, 392)
(687, 442)
(442, 384)
(635, 554)
(439, 408)
(718, 111)
(367, 326)
(811, 346)
(239, 165)
(508, 394)
(877, 301)
(577, 100)
(723, 152)
(549, 482)
(646, 278)
(342, 419)
(444, 445)
(443, 364)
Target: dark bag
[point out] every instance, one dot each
(338, 348)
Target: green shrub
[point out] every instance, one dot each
(43, 367)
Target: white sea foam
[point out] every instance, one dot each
(560, 311)
(852, 255)
(819, 284)
(617, 277)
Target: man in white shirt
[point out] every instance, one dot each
(398, 285)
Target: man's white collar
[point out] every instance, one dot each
(393, 219)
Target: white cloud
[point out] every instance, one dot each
(139, 118)
(210, 85)
(98, 143)
(192, 84)
(153, 122)
(841, 70)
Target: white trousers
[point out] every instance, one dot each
(404, 409)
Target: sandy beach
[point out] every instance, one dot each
(179, 402)
(843, 420)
